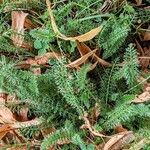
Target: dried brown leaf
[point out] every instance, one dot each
(139, 48)
(106, 6)
(145, 59)
(142, 98)
(3, 98)
(138, 2)
(87, 36)
(4, 129)
(81, 60)
(23, 115)
(44, 58)
(120, 140)
(82, 38)
(6, 115)
(120, 128)
(18, 137)
(93, 66)
(147, 34)
(46, 131)
(18, 148)
(29, 24)
(84, 49)
(39, 60)
(101, 61)
(27, 45)
(18, 19)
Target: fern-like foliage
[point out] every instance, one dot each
(130, 68)
(129, 71)
(61, 135)
(60, 93)
(73, 87)
(42, 38)
(115, 31)
(24, 5)
(7, 46)
(23, 83)
(142, 15)
(64, 82)
(144, 132)
(126, 113)
(114, 35)
(76, 139)
(108, 84)
(121, 114)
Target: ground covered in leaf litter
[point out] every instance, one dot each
(11, 123)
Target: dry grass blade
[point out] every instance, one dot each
(18, 19)
(118, 141)
(139, 48)
(82, 38)
(81, 60)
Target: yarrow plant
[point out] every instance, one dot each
(83, 103)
